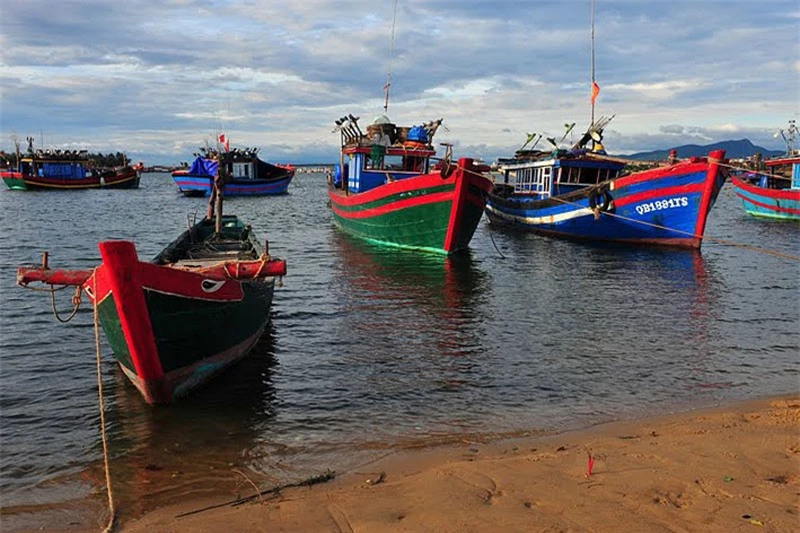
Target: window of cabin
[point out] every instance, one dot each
(241, 170)
(393, 162)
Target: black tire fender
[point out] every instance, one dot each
(601, 200)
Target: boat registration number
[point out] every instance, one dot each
(658, 205)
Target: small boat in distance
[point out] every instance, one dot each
(249, 175)
(175, 322)
(389, 191)
(773, 190)
(774, 194)
(66, 169)
(582, 194)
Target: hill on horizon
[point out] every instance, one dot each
(740, 149)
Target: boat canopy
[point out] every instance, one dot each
(204, 167)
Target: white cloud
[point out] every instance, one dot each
(160, 76)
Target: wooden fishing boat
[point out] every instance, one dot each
(772, 194)
(389, 191)
(249, 175)
(582, 194)
(64, 170)
(199, 306)
(176, 321)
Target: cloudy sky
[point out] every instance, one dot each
(157, 79)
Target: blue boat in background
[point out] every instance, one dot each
(248, 174)
(583, 194)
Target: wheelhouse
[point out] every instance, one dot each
(553, 176)
(364, 171)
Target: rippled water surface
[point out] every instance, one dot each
(371, 349)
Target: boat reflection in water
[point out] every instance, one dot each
(192, 448)
(409, 331)
(426, 302)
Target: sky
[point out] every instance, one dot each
(157, 80)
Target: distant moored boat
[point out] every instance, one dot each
(65, 170)
(249, 175)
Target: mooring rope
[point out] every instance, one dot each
(76, 302)
(758, 172)
(658, 226)
(112, 513)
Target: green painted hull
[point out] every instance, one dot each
(195, 339)
(422, 213)
(15, 184)
(420, 227)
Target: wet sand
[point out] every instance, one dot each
(734, 468)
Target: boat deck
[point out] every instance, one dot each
(208, 254)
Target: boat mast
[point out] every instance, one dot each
(593, 82)
(391, 56)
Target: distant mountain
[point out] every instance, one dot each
(733, 150)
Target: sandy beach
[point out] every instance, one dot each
(733, 468)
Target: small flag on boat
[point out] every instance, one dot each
(224, 141)
(595, 91)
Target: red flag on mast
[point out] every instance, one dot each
(224, 141)
(595, 91)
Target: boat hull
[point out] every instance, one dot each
(666, 206)
(196, 185)
(424, 212)
(20, 181)
(781, 204)
(124, 178)
(172, 330)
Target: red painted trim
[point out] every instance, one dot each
(770, 207)
(26, 275)
(777, 194)
(457, 209)
(685, 167)
(395, 206)
(714, 159)
(422, 181)
(121, 265)
(658, 193)
(785, 161)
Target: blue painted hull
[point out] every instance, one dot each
(201, 186)
(781, 204)
(666, 206)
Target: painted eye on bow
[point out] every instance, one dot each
(209, 285)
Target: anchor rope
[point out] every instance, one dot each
(112, 512)
(76, 302)
(717, 240)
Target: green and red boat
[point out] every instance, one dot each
(178, 320)
(56, 170)
(387, 190)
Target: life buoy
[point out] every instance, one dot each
(601, 200)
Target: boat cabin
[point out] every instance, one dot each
(544, 175)
(364, 170)
(64, 165)
(384, 153)
(785, 173)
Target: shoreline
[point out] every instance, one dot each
(709, 469)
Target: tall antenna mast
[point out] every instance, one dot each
(391, 57)
(593, 82)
